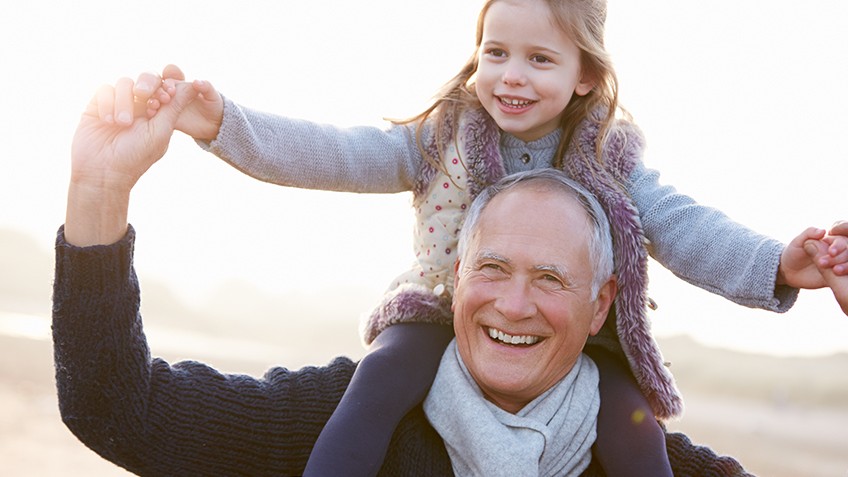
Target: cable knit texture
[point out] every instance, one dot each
(157, 419)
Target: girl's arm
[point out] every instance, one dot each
(287, 151)
(303, 154)
(706, 248)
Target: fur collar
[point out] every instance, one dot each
(479, 142)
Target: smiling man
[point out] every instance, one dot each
(513, 396)
(534, 280)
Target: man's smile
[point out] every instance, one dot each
(505, 338)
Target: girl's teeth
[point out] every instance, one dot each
(515, 102)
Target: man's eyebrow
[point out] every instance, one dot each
(557, 270)
(490, 255)
(553, 269)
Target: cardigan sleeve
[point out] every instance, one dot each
(704, 247)
(303, 154)
(154, 418)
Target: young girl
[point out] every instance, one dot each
(540, 91)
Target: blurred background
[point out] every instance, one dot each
(742, 103)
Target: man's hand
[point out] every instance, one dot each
(818, 251)
(114, 145)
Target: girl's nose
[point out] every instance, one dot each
(513, 75)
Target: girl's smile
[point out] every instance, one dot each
(528, 69)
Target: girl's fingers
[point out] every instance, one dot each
(153, 106)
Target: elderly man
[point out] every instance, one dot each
(534, 280)
(513, 395)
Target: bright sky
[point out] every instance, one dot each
(743, 105)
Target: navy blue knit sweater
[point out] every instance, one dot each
(158, 419)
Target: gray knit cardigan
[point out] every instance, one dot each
(627, 330)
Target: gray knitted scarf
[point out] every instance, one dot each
(551, 436)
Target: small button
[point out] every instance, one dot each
(525, 158)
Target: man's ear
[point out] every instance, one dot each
(455, 283)
(606, 296)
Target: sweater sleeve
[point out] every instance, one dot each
(303, 154)
(154, 418)
(704, 247)
(691, 460)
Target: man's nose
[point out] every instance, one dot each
(515, 301)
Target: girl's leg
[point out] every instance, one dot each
(388, 382)
(630, 441)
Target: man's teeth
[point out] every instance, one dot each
(515, 102)
(509, 339)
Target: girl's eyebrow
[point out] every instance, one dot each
(541, 49)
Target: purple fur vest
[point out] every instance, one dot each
(627, 330)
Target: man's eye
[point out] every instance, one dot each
(552, 281)
(492, 270)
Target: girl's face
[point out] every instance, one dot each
(528, 69)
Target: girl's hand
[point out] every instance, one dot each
(796, 268)
(201, 120)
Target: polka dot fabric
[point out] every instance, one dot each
(438, 218)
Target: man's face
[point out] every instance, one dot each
(522, 305)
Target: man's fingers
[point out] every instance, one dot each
(124, 102)
(173, 72)
(840, 227)
(146, 86)
(104, 100)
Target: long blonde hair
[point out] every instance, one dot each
(583, 21)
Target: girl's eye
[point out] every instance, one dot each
(496, 52)
(540, 59)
